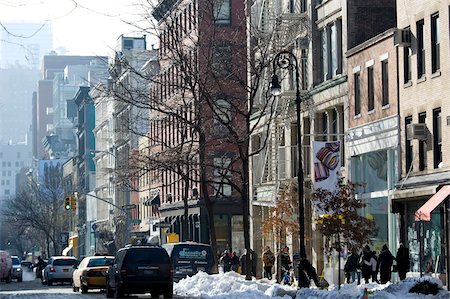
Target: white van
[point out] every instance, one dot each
(5, 266)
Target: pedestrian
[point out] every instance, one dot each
(307, 272)
(284, 263)
(369, 265)
(374, 263)
(234, 262)
(268, 260)
(351, 266)
(254, 261)
(225, 260)
(403, 261)
(243, 262)
(385, 261)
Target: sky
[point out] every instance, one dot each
(82, 27)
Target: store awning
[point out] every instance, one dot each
(424, 212)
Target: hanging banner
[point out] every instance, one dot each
(327, 162)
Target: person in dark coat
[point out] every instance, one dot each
(403, 261)
(284, 263)
(385, 261)
(369, 265)
(254, 261)
(225, 260)
(351, 266)
(234, 262)
(268, 260)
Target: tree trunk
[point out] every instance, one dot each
(185, 233)
(205, 194)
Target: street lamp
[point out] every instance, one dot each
(287, 60)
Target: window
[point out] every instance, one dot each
(222, 114)
(323, 55)
(357, 91)
(222, 175)
(435, 44)
(422, 145)
(331, 50)
(385, 82)
(222, 13)
(408, 147)
(437, 137)
(370, 91)
(407, 52)
(221, 61)
(420, 49)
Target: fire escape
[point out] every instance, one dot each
(289, 30)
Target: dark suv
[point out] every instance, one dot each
(140, 269)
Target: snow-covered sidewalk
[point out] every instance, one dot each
(232, 285)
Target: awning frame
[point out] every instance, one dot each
(424, 212)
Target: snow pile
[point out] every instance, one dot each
(232, 285)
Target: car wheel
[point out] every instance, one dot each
(168, 292)
(20, 279)
(118, 293)
(84, 289)
(49, 282)
(75, 288)
(8, 278)
(109, 292)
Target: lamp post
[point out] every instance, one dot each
(287, 60)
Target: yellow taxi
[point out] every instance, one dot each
(91, 273)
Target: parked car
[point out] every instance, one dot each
(59, 269)
(5, 266)
(91, 273)
(26, 265)
(190, 257)
(17, 272)
(139, 269)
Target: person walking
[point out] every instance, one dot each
(268, 260)
(351, 266)
(385, 261)
(403, 261)
(283, 263)
(374, 263)
(369, 265)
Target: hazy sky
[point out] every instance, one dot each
(83, 27)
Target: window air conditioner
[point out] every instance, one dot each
(416, 131)
(402, 38)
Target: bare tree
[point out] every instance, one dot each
(199, 108)
(40, 207)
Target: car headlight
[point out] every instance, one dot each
(18, 269)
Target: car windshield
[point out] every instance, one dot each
(104, 261)
(15, 261)
(64, 262)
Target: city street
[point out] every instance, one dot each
(32, 288)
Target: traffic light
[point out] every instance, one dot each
(67, 203)
(73, 202)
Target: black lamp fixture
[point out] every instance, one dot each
(287, 60)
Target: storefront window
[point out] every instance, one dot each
(237, 231)
(377, 209)
(432, 258)
(222, 231)
(371, 169)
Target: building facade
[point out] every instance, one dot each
(423, 47)
(203, 63)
